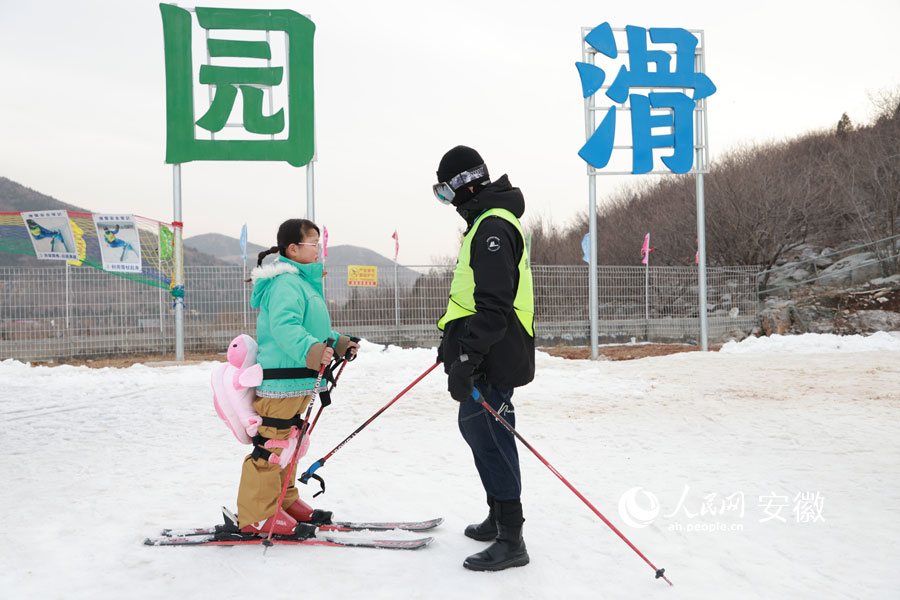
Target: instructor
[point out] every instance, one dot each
(488, 342)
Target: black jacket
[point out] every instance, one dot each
(493, 337)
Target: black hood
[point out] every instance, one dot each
(499, 194)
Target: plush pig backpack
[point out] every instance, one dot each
(234, 384)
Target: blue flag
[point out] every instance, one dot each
(586, 248)
(244, 242)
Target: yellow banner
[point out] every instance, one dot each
(362, 276)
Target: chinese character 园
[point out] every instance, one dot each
(181, 145)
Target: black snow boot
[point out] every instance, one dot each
(508, 550)
(487, 529)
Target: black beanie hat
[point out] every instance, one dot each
(458, 160)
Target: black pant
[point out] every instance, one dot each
(493, 446)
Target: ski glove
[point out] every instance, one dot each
(461, 379)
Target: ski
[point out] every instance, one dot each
(336, 526)
(250, 539)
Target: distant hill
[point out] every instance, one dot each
(208, 249)
(15, 197)
(228, 249)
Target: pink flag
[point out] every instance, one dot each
(396, 245)
(324, 242)
(646, 250)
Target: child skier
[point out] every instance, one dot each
(292, 327)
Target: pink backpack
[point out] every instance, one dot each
(234, 384)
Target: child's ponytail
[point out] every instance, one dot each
(264, 254)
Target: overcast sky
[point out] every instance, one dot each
(82, 107)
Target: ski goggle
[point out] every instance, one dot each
(443, 191)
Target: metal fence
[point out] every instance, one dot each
(75, 312)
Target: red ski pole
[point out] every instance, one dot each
(477, 396)
(268, 541)
(304, 478)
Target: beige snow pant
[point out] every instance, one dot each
(261, 481)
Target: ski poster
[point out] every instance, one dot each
(120, 244)
(51, 234)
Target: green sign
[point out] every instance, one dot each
(166, 242)
(181, 143)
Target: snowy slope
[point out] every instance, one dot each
(800, 437)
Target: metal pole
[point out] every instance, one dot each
(68, 337)
(162, 320)
(159, 297)
(67, 296)
(310, 191)
(593, 296)
(396, 304)
(179, 264)
(701, 263)
(701, 159)
(647, 294)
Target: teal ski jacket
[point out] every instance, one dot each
(292, 317)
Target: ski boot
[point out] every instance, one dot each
(304, 513)
(286, 527)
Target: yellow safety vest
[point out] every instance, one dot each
(462, 289)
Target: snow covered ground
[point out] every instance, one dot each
(766, 470)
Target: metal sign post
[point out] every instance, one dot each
(311, 191)
(658, 119)
(284, 135)
(178, 274)
(702, 158)
(593, 292)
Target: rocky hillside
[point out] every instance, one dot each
(821, 291)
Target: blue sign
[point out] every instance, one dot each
(678, 119)
(586, 248)
(244, 242)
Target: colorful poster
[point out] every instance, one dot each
(120, 244)
(362, 276)
(51, 234)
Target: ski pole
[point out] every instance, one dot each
(304, 478)
(322, 405)
(477, 396)
(268, 541)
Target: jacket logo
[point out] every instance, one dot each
(493, 243)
